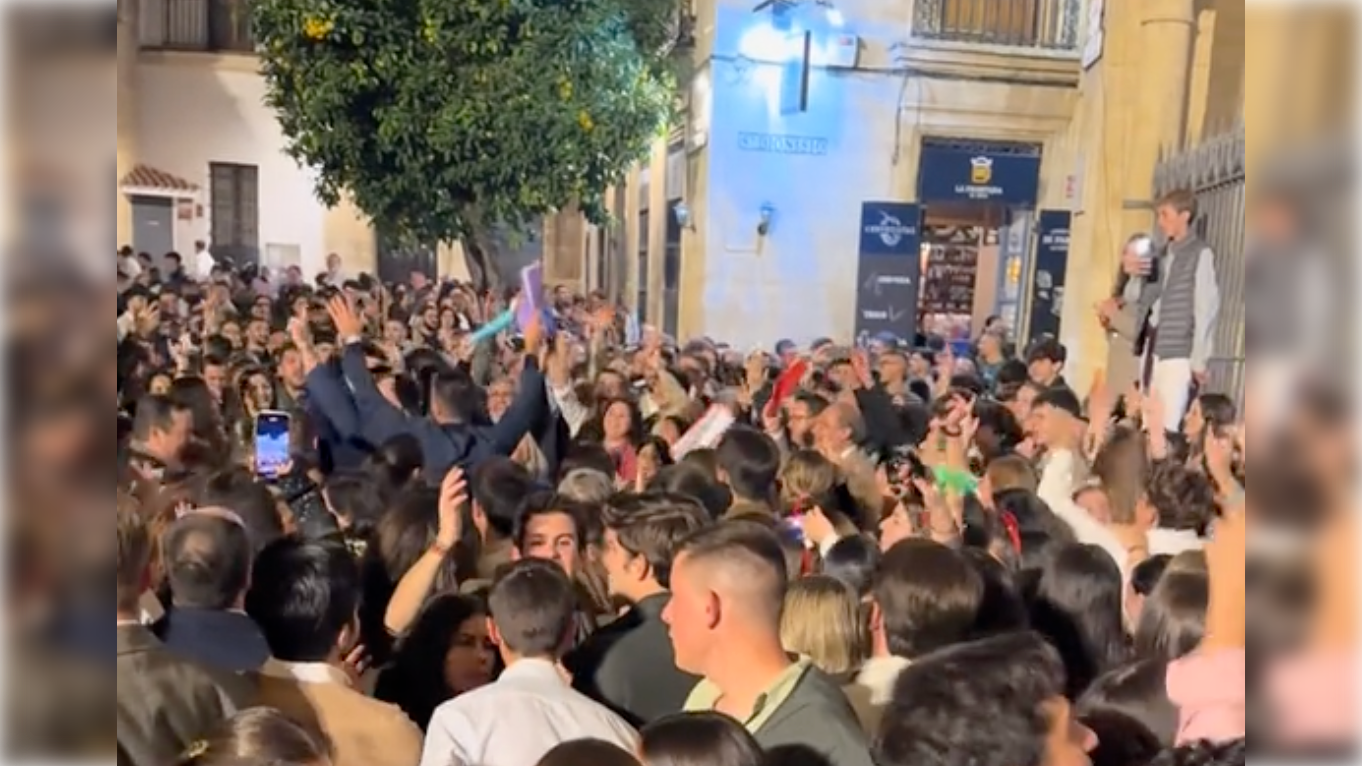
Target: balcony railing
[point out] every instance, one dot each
(196, 25)
(1043, 24)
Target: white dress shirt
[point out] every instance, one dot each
(1173, 541)
(517, 719)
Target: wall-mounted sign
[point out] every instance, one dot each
(1047, 281)
(773, 143)
(951, 174)
(888, 270)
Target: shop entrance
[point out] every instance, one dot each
(977, 200)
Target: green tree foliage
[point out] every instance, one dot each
(446, 118)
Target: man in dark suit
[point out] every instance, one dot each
(629, 665)
(207, 557)
(164, 703)
(452, 435)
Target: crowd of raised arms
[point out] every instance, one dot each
(578, 543)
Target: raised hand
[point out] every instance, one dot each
(348, 323)
(453, 496)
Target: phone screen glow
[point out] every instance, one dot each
(271, 443)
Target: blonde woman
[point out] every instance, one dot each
(812, 493)
(823, 620)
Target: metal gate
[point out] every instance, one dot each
(1214, 171)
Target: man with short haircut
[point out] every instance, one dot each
(728, 590)
(995, 702)
(1176, 509)
(160, 432)
(532, 707)
(925, 597)
(305, 598)
(1177, 307)
(164, 702)
(749, 462)
(1045, 363)
(498, 488)
(630, 665)
(206, 555)
(1055, 420)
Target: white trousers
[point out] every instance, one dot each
(1172, 382)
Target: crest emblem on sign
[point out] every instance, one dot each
(981, 170)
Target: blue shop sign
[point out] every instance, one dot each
(949, 174)
(890, 228)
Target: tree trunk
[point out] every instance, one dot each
(480, 255)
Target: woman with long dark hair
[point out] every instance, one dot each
(444, 654)
(208, 442)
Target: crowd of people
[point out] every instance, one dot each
(537, 549)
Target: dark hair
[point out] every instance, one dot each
(534, 607)
(1217, 409)
(1146, 574)
(1060, 398)
(1002, 609)
(853, 561)
(587, 752)
(982, 703)
(456, 391)
(303, 595)
(393, 465)
(1047, 349)
(595, 427)
(406, 532)
(1205, 753)
(751, 461)
(354, 497)
(699, 739)
(688, 479)
(240, 492)
(155, 413)
(1121, 740)
(414, 679)
(586, 454)
(1137, 690)
(259, 735)
(1173, 620)
(499, 485)
(1039, 528)
(704, 458)
(1183, 498)
(928, 596)
(652, 525)
(207, 561)
(1011, 375)
(546, 503)
(999, 432)
(1078, 607)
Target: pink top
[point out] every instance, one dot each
(1312, 697)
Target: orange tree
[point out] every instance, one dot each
(446, 119)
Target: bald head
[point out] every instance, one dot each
(743, 564)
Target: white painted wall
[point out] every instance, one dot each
(798, 281)
(194, 110)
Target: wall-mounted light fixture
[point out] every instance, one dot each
(768, 212)
(683, 217)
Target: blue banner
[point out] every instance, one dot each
(1047, 280)
(889, 266)
(947, 174)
